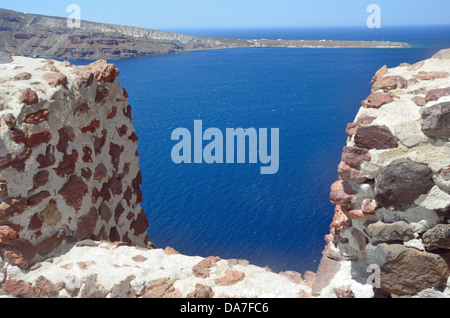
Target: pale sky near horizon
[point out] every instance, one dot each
(178, 14)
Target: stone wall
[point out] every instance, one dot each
(69, 165)
(391, 223)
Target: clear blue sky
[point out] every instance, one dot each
(177, 14)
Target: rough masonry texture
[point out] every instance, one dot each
(69, 167)
(390, 235)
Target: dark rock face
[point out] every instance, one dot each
(437, 237)
(407, 271)
(402, 182)
(436, 121)
(375, 137)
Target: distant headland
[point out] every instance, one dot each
(49, 37)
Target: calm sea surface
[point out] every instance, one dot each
(231, 210)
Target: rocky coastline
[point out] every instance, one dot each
(49, 37)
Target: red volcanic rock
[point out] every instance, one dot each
(37, 117)
(202, 269)
(66, 135)
(388, 83)
(435, 94)
(375, 137)
(7, 234)
(376, 100)
(201, 292)
(86, 225)
(55, 79)
(113, 113)
(94, 125)
(10, 120)
(362, 121)
(429, 76)
(231, 278)
(419, 101)
(100, 172)
(38, 198)
(49, 244)
(29, 97)
(87, 158)
(379, 74)
(86, 173)
(20, 253)
(350, 174)
(115, 185)
(40, 179)
(354, 155)
(123, 290)
(341, 193)
(48, 159)
(115, 151)
(15, 161)
(104, 71)
(141, 224)
(17, 288)
(22, 76)
(35, 223)
(18, 136)
(37, 139)
(11, 207)
(101, 95)
(67, 165)
(74, 191)
(100, 142)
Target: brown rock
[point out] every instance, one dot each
(419, 101)
(48, 159)
(7, 234)
(341, 193)
(376, 100)
(29, 97)
(115, 185)
(141, 224)
(18, 136)
(12, 207)
(435, 94)
(362, 121)
(37, 117)
(379, 74)
(10, 120)
(74, 191)
(231, 278)
(20, 253)
(429, 76)
(407, 271)
(40, 179)
(55, 79)
(388, 83)
(38, 198)
(123, 289)
(92, 289)
(43, 288)
(114, 235)
(15, 161)
(92, 128)
(50, 215)
(113, 113)
(87, 158)
(170, 251)
(375, 137)
(354, 155)
(67, 165)
(100, 142)
(101, 95)
(438, 237)
(104, 71)
(66, 135)
(22, 76)
(202, 268)
(115, 151)
(86, 173)
(100, 172)
(86, 225)
(37, 139)
(49, 244)
(350, 174)
(309, 278)
(161, 289)
(35, 223)
(201, 292)
(18, 288)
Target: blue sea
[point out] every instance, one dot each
(231, 210)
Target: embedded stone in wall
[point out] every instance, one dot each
(436, 121)
(375, 137)
(398, 185)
